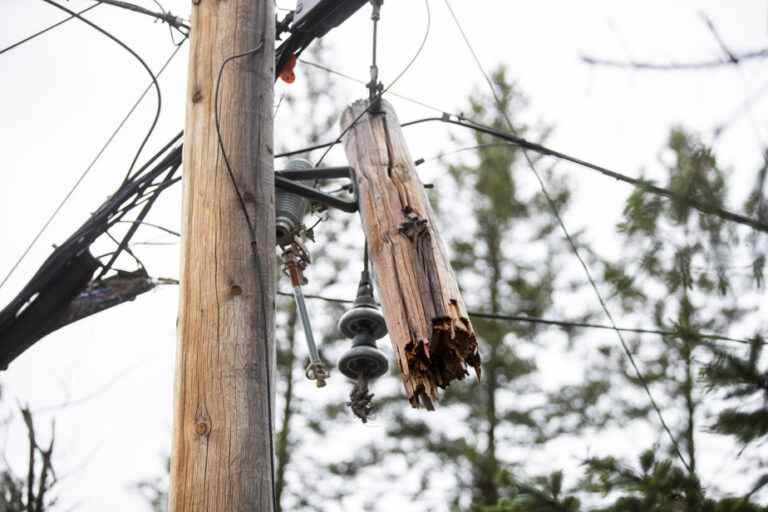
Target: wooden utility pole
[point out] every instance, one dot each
(429, 327)
(222, 448)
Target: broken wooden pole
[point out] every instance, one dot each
(430, 331)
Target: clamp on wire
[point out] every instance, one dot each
(375, 87)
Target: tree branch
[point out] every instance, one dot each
(733, 60)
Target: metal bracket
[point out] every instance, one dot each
(284, 180)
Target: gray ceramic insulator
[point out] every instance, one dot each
(290, 207)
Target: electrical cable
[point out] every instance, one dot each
(647, 186)
(442, 155)
(151, 225)
(87, 170)
(565, 324)
(257, 260)
(380, 94)
(143, 64)
(164, 16)
(363, 82)
(574, 247)
(46, 29)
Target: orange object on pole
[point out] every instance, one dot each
(287, 74)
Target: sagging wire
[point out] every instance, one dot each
(93, 162)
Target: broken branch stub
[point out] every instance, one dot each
(429, 327)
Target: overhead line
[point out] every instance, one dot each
(363, 82)
(164, 16)
(566, 324)
(466, 122)
(645, 185)
(46, 29)
(86, 171)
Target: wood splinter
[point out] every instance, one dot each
(429, 327)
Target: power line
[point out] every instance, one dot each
(164, 16)
(647, 186)
(46, 29)
(88, 168)
(565, 324)
(519, 141)
(151, 225)
(575, 249)
(363, 82)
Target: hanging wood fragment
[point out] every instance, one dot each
(429, 327)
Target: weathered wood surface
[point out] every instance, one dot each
(429, 327)
(221, 450)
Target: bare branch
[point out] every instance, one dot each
(676, 66)
(727, 51)
(27, 415)
(47, 468)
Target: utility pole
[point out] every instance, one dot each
(222, 454)
(430, 330)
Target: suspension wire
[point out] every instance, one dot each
(88, 168)
(377, 98)
(256, 259)
(574, 247)
(46, 29)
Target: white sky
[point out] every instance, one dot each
(62, 94)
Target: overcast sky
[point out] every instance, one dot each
(62, 95)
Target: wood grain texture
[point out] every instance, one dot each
(429, 327)
(221, 446)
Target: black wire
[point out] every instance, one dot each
(642, 184)
(141, 61)
(566, 324)
(151, 225)
(163, 15)
(88, 170)
(363, 82)
(257, 261)
(305, 150)
(240, 199)
(379, 95)
(572, 243)
(46, 29)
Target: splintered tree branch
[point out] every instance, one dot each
(430, 330)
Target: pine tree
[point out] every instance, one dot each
(681, 275)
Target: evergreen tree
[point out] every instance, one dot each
(680, 275)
